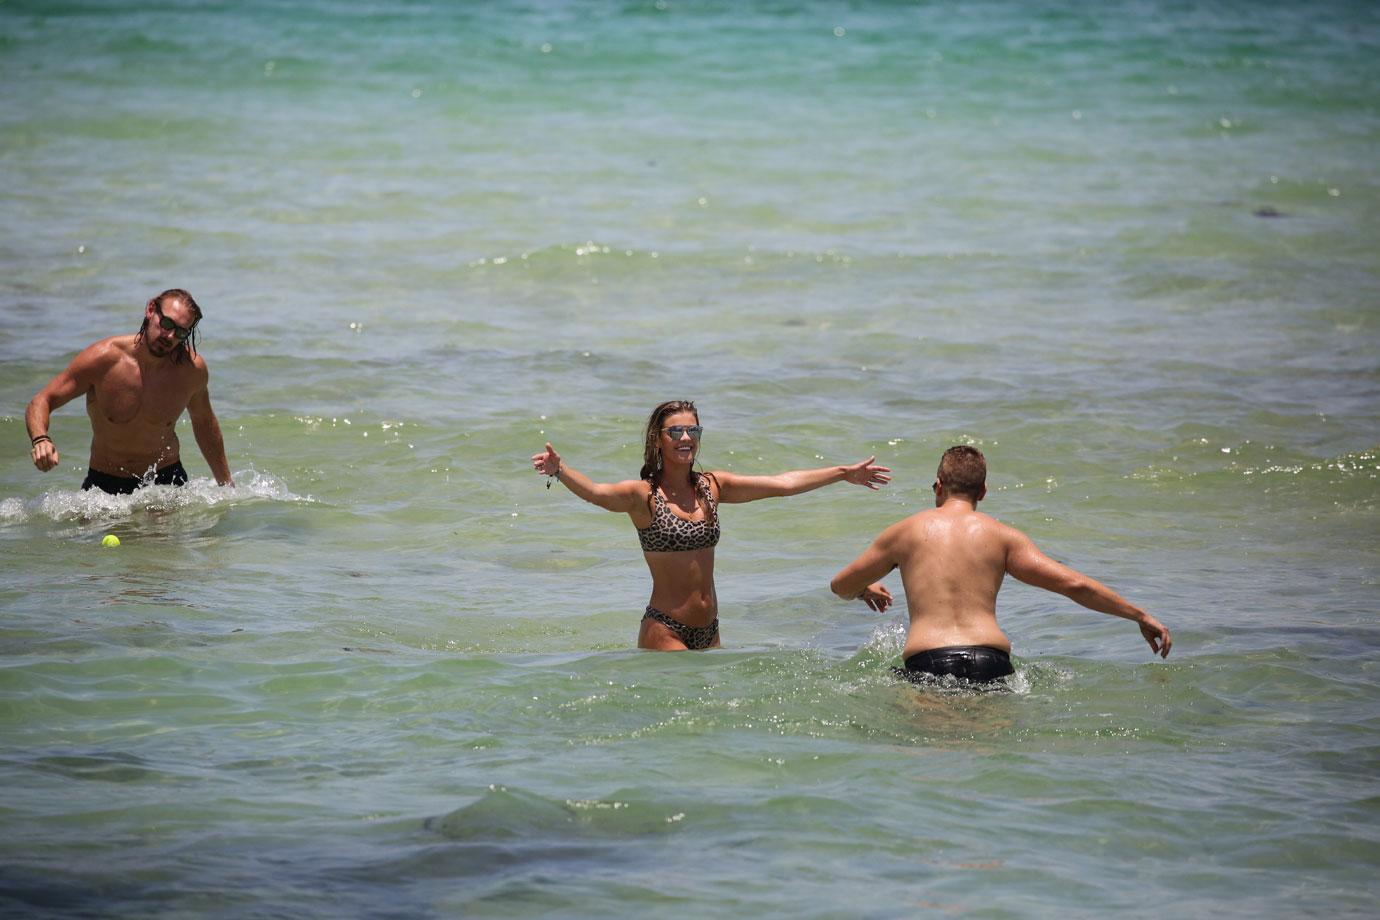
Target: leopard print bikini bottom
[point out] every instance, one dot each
(694, 637)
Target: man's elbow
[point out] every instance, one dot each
(836, 585)
(1078, 588)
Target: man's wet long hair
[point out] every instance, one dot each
(185, 350)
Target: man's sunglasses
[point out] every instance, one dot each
(168, 325)
(679, 431)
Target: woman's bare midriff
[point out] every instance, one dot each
(683, 585)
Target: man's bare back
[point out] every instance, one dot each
(953, 559)
(136, 388)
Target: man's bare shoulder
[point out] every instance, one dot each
(989, 521)
(198, 365)
(917, 519)
(910, 528)
(101, 355)
(1008, 534)
(114, 346)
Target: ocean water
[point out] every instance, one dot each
(1128, 249)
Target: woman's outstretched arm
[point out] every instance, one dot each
(624, 496)
(736, 488)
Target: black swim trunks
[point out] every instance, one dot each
(979, 664)
(171, 475)
(694, 637)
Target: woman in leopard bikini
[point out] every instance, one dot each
(675, 510)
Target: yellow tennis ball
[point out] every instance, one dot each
(110, 540)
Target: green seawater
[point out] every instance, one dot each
(1127, 249)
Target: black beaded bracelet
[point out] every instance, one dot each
(42, 437)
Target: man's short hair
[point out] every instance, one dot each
(963, 471)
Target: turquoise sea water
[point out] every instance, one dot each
(1128, 249)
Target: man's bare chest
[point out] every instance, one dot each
(129, 394)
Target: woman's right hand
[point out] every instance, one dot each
(548, 462)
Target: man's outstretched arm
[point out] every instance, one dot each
(1025, 562)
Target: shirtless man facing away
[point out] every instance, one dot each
(952, 560)
(136, 388)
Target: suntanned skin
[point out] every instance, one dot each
(683, 582)
(135, 392)
(953, 559)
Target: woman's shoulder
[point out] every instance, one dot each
(639, 488)
(712, 481)
(641, 511)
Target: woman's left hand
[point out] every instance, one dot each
(867, 473)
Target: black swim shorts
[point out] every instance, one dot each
(979, 664)
(171, 475)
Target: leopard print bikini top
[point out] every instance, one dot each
(670, 533)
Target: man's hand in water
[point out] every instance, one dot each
(1156, 634)
(878, 597)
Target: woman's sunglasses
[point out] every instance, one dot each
(679, 431)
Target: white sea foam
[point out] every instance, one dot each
(94, 505)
